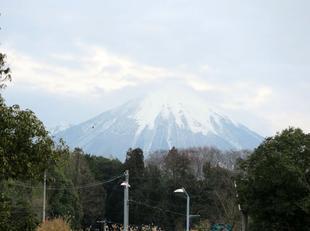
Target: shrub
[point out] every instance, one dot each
(57, 224)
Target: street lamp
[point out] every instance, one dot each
(126, 186)
(182, 190)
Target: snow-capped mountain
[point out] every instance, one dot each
(160, 120)
(61, 127)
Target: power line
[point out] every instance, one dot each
(95, 184)
(154, 207)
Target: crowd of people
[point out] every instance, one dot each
(119, 227)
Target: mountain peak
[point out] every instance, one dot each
(186, 108)
(159, 120)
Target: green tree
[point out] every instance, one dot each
(5, 72)
(135, 164)
(177, 167)
(16, 210)
(177, 173)
(274, 184)
(92, 198)
(220, 195)
(26, 149)
(104, 169)
(63, 198)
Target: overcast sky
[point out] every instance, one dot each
(71, 60)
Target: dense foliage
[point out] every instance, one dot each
(274, 183)
(5, 72)
(80, 191)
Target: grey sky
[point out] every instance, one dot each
(74, 59)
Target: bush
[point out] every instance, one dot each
(54, 225)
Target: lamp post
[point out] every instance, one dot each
(244, 217)
(182, 190)
(126, 186)
(44, 197)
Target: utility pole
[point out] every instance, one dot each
(126, 203)
(187, 212)
(44, 197)
(244, 217)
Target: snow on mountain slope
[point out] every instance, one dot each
(160, 120)
(60, 127)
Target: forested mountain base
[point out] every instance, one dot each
(85, 189)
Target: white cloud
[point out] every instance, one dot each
(262, 95)
(246, 96)
(200, 85)
(280, 120)
(95, 72)
(94, 69)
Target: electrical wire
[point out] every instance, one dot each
(154, 207)
(95, 184)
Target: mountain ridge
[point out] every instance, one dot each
(160, 120)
